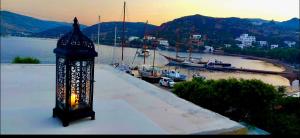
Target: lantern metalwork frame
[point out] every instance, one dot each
(75, 59)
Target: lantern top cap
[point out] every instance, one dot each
(75, 43)
(75, 25)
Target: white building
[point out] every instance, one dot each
(163, 42)
(150, 38)
(246, 40)
(227, 45)
(263, 43)
(240, 46)
(196, 37)
(274, 46)
(290, 43)
(131, 38)
(208, 49)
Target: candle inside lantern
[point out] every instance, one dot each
(73, 100)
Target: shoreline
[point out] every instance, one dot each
(286, 66)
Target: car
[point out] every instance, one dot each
(167, 82)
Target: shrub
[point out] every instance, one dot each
(250, 101)
(27, 60)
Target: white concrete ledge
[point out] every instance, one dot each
(123, 105)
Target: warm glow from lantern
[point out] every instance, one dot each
(73, 100)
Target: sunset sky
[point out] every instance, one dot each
(156, 11)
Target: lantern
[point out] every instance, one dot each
(75, 55)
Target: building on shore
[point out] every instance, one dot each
(148, 37)
(290, 43)
(163, 42)
(246, 40)
(196, 37)
(227, 45)
(131, 38)
(208, 49)
(263, 43)
(274, 46)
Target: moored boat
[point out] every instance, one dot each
(150, 73)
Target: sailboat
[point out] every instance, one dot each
(122, 66)
(150, 73)
(115, 44)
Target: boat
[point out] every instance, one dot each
(217, 63)
(183, 62)
(174, 75)
(143, 53)
(150, 73)
(122, 66)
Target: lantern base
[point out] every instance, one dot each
(67, 116)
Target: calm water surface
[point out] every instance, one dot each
(43, 49)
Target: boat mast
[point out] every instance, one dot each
(99, 21)
(190, 48)
(154, 47)
(177, 44)
(98, 28)
(123, 33)
(115, 43)
(190, 55)
(144, 42)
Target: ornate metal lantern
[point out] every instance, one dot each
(75, 54)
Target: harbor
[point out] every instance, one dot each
(42, 49)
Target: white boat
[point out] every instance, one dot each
(124, 68)
(143, 52)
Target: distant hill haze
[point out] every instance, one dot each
(216, 30)
(17, 24)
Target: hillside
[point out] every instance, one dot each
(107, 29)
(53, 32)
(293, 23)
(17, 24)
(218, 31)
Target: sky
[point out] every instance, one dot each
(155, 11)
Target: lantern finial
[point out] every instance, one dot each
(75, 25)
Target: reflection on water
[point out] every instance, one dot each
(43, 50)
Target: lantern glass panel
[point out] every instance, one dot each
(61, 83)
(80, 84)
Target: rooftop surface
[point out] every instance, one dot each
(123, 105)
